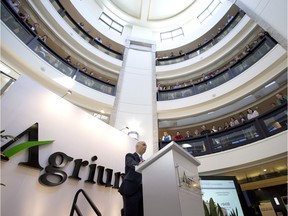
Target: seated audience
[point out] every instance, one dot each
(251, 113)
(178, 136)
(166, 137)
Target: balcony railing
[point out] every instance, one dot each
(258, 51)
(24, 33)
(84, 34)
(204, 47)
(265, 125)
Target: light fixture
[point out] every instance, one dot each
(270, 84)
(133, 134)
(186, 145)
(276, 201)
(68, 92)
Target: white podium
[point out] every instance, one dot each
(171, 184)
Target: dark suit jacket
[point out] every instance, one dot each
(132, 181)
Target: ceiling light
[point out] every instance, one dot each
(248, 96)
(69, 92)
(272, 83)
(133, 134)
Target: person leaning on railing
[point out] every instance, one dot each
(281, 99)
(166, 137)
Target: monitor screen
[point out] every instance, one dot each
(225, 191)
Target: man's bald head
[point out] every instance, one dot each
(141, 147)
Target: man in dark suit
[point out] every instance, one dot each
(131, 187)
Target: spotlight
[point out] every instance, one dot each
(68, 92)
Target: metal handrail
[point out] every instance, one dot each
(76, 208)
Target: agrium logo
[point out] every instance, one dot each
(54, 175)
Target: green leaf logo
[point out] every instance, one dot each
(22, 146)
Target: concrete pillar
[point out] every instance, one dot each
(135, 102)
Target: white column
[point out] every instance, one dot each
(270, 15)
(135, 103)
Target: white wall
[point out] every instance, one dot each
(76, 133)
(270, 15)
(271, 147)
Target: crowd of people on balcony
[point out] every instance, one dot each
(36, 28)
(251, 113)
(202, 43)
(206, 76)
(15, 4)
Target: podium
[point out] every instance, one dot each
(171, 184)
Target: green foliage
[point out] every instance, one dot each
(206, 210)
(234, 213)
(219, 210)
(213, 210)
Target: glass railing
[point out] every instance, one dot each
(22, 30)
(263, 177)
(84, 34)
(199, 50)
(259, 50)
(265, 125)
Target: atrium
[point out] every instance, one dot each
(98, 75)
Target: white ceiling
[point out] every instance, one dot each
(152, 10)
(148, 13)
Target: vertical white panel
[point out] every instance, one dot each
(76, 133)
